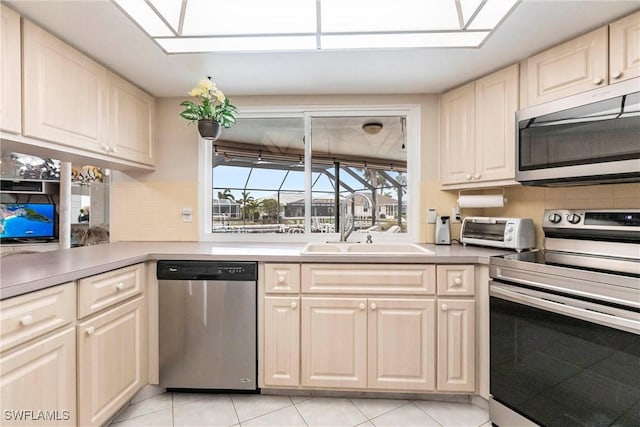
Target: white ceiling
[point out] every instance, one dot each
(100, 29)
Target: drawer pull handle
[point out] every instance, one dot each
(294, 305)
(617, 74)
(373, 306)
(120, 286)
(26, 320)
(90, 330)
(444, 307)
(597, 80)
(281, 279)
(362, 306)
(477, 176)
(457, 281)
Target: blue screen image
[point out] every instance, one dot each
(27, 220)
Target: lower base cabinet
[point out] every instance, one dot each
(111, 361)
(38, 382)
(456, 345)
(374, 343)
(282, 349)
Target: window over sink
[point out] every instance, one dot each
(282, 176)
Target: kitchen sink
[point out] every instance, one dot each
(365, 248)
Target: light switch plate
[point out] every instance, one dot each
(187, 215)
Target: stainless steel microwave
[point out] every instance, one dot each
(589, 138)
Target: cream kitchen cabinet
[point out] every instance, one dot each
(72, 101)
(38, 382)
(477, 131)
(281, 360)
(456, 345)
(10, 69)
(572, 67)
(131, 122)
(624, 48)
(111, 360)
(64, 93)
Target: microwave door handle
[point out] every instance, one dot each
(617, 322)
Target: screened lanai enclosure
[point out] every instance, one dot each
(259, 175)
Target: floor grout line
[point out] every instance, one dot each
(425, 412)
(261, 415)
(234, 410)
(298, 411)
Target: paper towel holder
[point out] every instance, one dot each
(481, 200)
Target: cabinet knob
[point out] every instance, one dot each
(477, 176)
(467, 177)
(597, 80)
(281, 278)
(444, 307)
(294, 305)
(90, 330)
(616, 75)
(114, 150)
(105, 148)
(373, 306)
(457, 281)
(362, 306)
(120, 286)
(26, 320)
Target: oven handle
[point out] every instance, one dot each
(624, 320)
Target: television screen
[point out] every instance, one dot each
(27, 221)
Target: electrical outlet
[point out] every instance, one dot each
(431, 216)
(455, 215)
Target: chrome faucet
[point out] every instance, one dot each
(345, 231)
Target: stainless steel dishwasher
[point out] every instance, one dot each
(207, 313)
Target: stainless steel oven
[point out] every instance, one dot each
(565, 324)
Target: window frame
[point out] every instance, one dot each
(412, 112)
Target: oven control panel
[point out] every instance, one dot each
(597, 219)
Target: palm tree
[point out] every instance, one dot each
(226, 195)
(245, 201)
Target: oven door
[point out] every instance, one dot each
(561, 361)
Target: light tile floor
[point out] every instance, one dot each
(195, 409)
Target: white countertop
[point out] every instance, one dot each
(23, 273)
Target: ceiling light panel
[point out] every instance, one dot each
(145, 17)
(491, 14)
(170, 10)
(340, 16)
(233, 17)
(236, 44)
(388, 41)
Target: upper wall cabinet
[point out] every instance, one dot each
(569, 68)
(65, 93)
(478, 131)
(10, 83)
(624, 48)
(73, 101)
(131, 121)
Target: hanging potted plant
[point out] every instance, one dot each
(212, 113)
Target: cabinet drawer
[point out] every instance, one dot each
(31, 315)
(456, 280)
(282, 278)
(369, 278)
(103, 290)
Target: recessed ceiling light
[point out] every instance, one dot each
(189, 26)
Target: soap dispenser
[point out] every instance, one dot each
(443, 231)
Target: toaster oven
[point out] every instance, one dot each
(508, 233)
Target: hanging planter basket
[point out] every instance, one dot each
(209, 129)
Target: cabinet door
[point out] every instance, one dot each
(282, 341)
(569, 68)
(496, 106)
(457, 132)
(64, 92)
(334, 342)
(10, 66)
(401, 341)
(111, 361)
(40, 377)
(131, 122)
(624, 48)
(456, 345)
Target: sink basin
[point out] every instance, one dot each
(365, 248)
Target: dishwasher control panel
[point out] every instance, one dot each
(207, 270)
